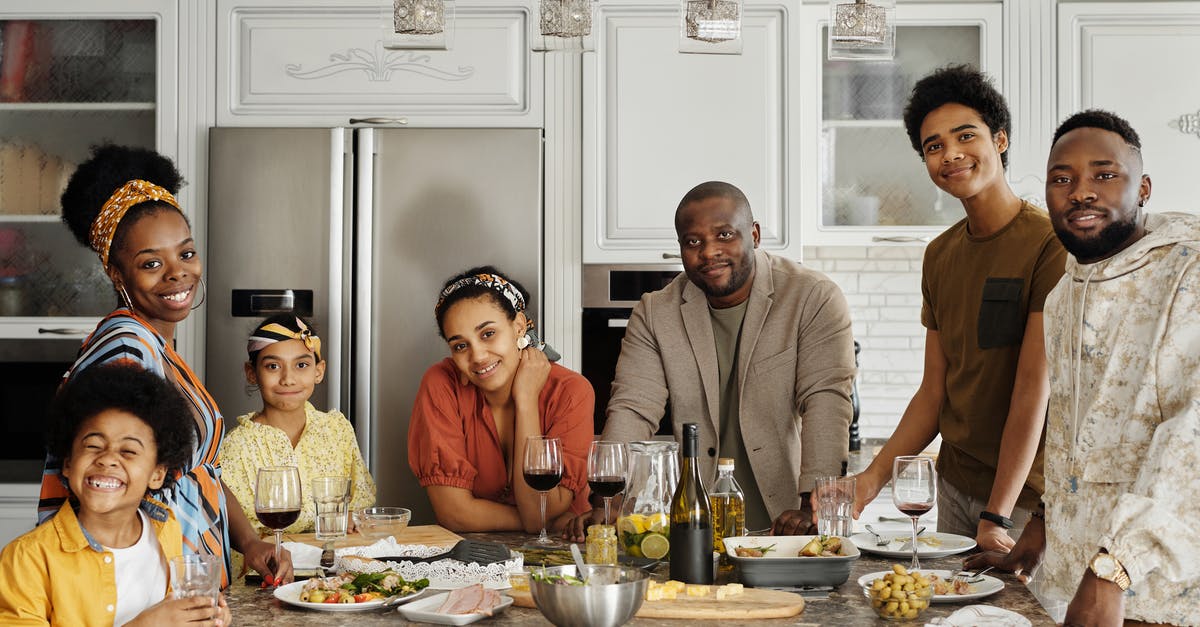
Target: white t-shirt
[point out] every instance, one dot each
(141, 574)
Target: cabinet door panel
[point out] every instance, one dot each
(321, 63)
(1138, 61)
(658, 122)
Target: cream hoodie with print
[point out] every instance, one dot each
(1122, 460)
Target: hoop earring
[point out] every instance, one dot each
(203, 294)
(125, 297)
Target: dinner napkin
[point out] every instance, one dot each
(304, 556)
(982, 616)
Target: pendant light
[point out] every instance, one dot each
(417, 24)
(710, 26)
(564, 25)
(862, 30)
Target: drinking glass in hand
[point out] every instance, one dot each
(607, 467)
(913, 492)
(543, 469)
(277, 500)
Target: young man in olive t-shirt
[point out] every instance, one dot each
(984, 281)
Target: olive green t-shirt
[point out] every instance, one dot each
(978, 293)
(727, 333)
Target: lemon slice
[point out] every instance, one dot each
(626, 525)
(658, 523)
(655, 546)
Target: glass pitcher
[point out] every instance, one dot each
(644, 526)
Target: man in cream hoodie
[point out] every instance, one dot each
(1121, 524)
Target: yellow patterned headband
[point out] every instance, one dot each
(272, 333)
(104, 227)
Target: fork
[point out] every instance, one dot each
(879, 540)
(970, 577)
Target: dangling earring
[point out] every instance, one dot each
(203, 294)
(1141, 202)
(125, 297)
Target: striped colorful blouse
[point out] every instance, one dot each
(196, 498)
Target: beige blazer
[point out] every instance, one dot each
(795, 367)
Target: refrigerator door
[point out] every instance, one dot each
(440, 201)
(276, 225)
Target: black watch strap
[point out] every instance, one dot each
(1003, 521)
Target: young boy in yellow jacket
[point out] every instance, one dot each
(102, 559)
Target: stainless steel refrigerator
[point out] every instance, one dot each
(359, 228)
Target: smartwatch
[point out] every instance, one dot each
(1003, 521)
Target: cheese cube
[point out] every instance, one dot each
(654, 593)
(697, 590)
(677, 586)
(729, 590)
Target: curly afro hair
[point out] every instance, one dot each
(130, 389)
(960, 84)
(1101, 119)
(478, 291)
(110, 167)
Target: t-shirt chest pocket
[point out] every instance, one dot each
(1000, 320)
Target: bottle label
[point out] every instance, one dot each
(691, 553)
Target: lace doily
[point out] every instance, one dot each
(444, 574)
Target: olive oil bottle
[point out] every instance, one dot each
(728, 505)
(691, 518)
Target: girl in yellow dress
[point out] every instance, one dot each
(285, 365)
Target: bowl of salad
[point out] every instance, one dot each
(610, 596)
(349, 591)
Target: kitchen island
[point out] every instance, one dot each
(845, 606)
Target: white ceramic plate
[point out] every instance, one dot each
(929, 544)
(989, 586)
(290, 594)
(424, 611)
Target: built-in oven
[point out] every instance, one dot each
(609, 294)
(30, 373)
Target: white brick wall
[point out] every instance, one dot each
(883, 287)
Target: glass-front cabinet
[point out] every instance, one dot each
(863, 182)
(72, 75)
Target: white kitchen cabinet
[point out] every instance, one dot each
(861, 181)
(658, 122)
(1138, 60)
(322, 62)
(74, 73)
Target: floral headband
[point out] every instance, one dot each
(272, 333)
(104, 227)
(490, 281)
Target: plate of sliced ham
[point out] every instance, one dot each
(457, 607)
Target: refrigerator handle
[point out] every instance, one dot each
(364, 356)
(333, 330)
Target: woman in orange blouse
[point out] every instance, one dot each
(475, 409)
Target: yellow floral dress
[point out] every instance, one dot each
(327, 447)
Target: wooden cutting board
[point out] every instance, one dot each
(753, 603)
(428, 535)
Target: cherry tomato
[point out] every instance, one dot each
(364, 597)
(333, 598)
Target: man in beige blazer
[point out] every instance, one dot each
(757, 339)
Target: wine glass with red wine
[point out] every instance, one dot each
(608, 463)
(277, 500)
(543, 470)
(913, 492)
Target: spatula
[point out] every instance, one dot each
(468, 551)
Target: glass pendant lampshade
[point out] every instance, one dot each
(862, 29)
(417, 24)
(564, 25)
(710, 26)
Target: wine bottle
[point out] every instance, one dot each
(691, 518)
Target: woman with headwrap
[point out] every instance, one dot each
(475, 409)
(285, 365)
(121, 204)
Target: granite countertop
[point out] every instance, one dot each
(845, 606)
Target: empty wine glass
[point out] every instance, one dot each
(277, 500)
(608, 464)
(543, 469)
(913, 492)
